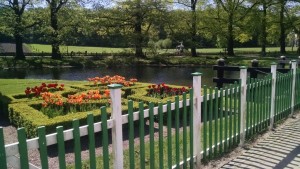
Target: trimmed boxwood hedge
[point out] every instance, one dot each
(140, 94)
(23, 114)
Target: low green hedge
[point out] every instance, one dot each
(24, 115)
(140, 94)
(26, 112)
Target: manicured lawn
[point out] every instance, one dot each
(17, 86)
(47, 48)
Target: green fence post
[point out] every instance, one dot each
(210, 132)
(117, 133)
(23, 148)
(91, 135)
(259, 94)
(243, 106)
(205, 112)
(151, 126)
(191, 128)
(42, 147)
(161, 134)
(226, 120)
(177, 143)
(104, 137)
(252, 108)
(131, 134)
(248, 115)
(235, 112)
(169, 131)
(77, 145)
(3, 162)
(142, 134)
(197, 117)
(230, 115)
(184, 151)
(221, 121)
(216, 111)
(61, 147)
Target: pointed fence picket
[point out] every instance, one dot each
(228, 115)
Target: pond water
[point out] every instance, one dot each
(169, 75)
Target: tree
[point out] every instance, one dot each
(18, 7)
(263, 34)
(132, 19)
(55, 6)
(293, 20)
(192, 4)
(282, 37)
(231, 7)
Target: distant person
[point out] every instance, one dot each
(179, 48)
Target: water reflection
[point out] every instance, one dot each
(170, 75)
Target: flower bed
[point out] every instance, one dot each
(56, 104)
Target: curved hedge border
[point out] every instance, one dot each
(23, 114)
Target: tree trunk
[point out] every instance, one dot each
(18, 38)
(194, 28)
(138, 32)
(282, 28)
(263, 30)
(55, 39)
(19, 47)
(230, 44)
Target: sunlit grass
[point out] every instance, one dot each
(16, 86)
(64, 49)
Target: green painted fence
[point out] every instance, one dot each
(207, 123)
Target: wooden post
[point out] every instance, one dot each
(243, 89)
(220, 73)
(197, 117)
(254, 64)
(294, 67)
(272, 113)
(282, 62)
(117, 134)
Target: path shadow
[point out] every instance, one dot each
(281, 150)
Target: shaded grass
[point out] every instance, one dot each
(37, 48)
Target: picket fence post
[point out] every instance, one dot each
(243, 93)
(197, 117)
(117, 134)
(294, 67)
(272, 113)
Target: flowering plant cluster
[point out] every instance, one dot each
(54, 104)
(51, 99)
(86, 97)
(163, 90)
(112, 79)
(37, 90)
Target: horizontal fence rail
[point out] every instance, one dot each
(204, 124)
